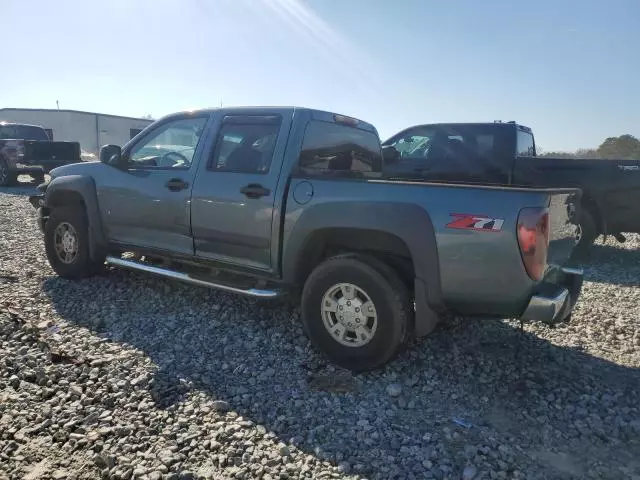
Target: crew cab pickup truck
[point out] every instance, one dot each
(505, 154)
(269, 202)
(27, 149)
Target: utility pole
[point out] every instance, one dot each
(58, 104)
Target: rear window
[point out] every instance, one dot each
(525, 144)
(24, 132)
(332, 147)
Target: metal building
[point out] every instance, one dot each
(92, 130)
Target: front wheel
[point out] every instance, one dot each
(38, 178)
(354, 313)
(66, 241)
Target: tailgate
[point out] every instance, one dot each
(563, 217)
(62, 152)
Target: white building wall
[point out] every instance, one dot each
(92, 130)
(116, 130)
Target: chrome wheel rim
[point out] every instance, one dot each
(349, 315)
(65, 241)
(578, 234)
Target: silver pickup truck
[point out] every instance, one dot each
(272, 202)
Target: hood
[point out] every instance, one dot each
(82, 168)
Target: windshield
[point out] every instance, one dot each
(24, 132)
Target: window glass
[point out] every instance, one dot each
(525, 144)
(245, 146)
(334, 147)
(441, 146)
(133, 132)
(171, 146)
(414, 145)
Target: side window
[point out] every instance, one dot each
(331, 147)
(525, 144)
(414, 145)
(245, 144)
(171, 146)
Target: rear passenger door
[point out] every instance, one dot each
(234, 193)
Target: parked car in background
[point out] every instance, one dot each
(269, 202)
(505, 154)
(27, 149)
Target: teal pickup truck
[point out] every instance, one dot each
(272, 202)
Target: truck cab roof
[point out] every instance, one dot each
(320, 115)
(457, 126)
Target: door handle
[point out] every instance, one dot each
(176, 184)
(255, 190)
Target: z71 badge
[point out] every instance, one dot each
(481, 223)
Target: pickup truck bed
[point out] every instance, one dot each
(472, 271)
(272, 202)
(27, 150)
(505, 154)
(611, 189)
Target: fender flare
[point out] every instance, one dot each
(408, 222)
(67, 190)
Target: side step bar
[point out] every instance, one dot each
(251, 292)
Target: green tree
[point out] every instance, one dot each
(623, 147)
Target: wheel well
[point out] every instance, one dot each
(65, 198)
(329, 242)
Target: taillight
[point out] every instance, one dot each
(533, 240)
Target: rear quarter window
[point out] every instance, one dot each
(526, 146)
(335, 148)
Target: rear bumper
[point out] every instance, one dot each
(556, 297)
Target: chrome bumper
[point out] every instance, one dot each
(546, 308)
(556, 299)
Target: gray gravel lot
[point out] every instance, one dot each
(125, 375)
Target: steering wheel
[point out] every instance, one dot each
(182, 160)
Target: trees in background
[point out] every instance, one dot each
(622, 147)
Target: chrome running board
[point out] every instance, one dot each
(184, 277)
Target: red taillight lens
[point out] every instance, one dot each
(533, 239)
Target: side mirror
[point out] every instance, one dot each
(390, 154)
(112, 155)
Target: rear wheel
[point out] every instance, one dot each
(587, 233)
(356, 314)
(7, 177)
(66, 241)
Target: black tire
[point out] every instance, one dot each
(81, 266)
(38, 178)
(387, 292)
(7, 177)
(588, 234)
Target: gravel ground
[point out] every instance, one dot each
(129, 376)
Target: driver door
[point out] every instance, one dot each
(149, 204)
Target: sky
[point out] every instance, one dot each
(569, 69)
